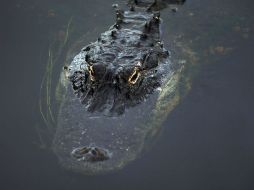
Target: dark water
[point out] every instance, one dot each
(207, 141)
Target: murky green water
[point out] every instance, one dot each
(205, 143)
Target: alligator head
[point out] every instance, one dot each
(124, 66)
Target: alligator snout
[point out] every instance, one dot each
(90, 154)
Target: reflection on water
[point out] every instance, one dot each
(206, 142)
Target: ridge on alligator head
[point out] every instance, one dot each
(126, 64)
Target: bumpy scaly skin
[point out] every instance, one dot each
(123, 66)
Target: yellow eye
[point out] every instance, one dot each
(134, 76)
(91, 72)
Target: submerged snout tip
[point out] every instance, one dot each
(90, 154)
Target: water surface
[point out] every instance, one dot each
(206, 142)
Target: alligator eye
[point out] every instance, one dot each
(91, 72)
(134, 76)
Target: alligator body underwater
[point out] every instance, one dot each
(118, 91)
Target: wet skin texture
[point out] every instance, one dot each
(121, 68)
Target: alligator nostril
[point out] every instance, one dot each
(94, 152)
(90, 154)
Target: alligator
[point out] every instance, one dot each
(114, 89)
